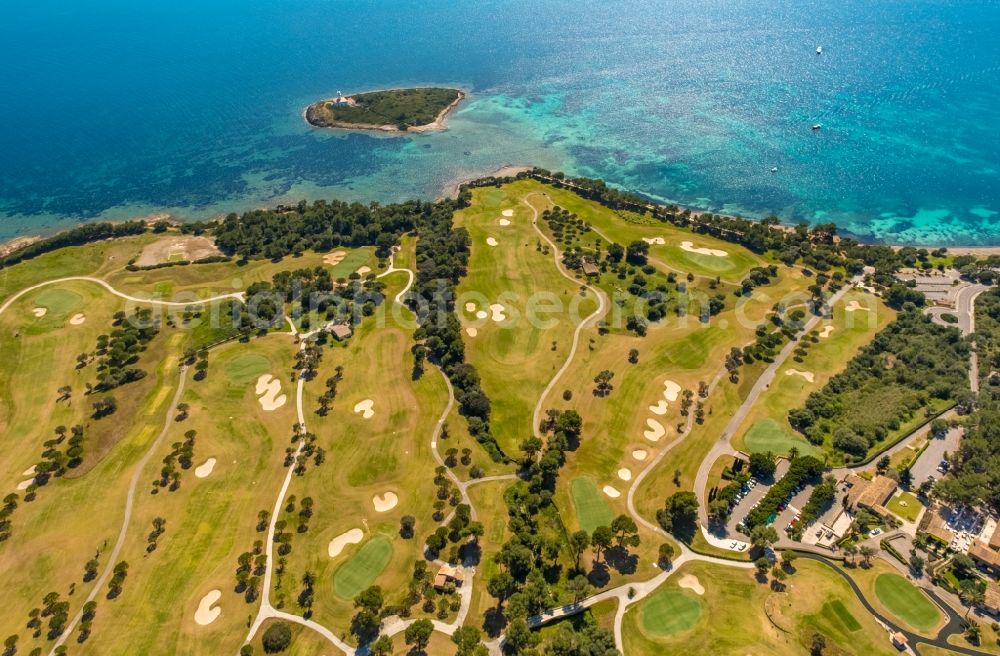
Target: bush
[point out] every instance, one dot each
(277, 638)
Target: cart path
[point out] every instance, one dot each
(602, 306)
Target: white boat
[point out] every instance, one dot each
(819, 50)
(774, 169)
(818, 126)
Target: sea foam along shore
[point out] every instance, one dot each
(435, 125)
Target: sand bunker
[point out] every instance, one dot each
(826, 332)
(365, 407)
(385, 502)
(338, 543)
(268, 388)
(640, 454)
(691, 582)
(654, 241)
(470, 307)
(625, 474)
(659, 409)
(689, 247)
(505, 222)
(671, 390)
(497, 311)
(508, 213)
(611, 492)
(205, 468)
(30, 471)
(655, 432)
(25, 484)
(334, 258)
(471, 331)
(39, 312)
(206, 614)
(854, 306)
(490, 241)
(363, 270)
(77, 319)
(482, 314)
(808, 375)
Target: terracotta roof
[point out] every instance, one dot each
(984, 554)
(991, 601)
(340, 331)
(870, 494)
(933, 524)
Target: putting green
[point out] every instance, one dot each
(767, 435)
(351, 263)
(906, 601)
(361, 570)
(59, 301)
(591, 508)
(671, 611)
(246, 368)
(836, 610)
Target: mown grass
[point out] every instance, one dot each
(591, 508)
(898, 598)
(670, 611)
(907, 602)
(741, 615)
(363, 567)
(515, 359)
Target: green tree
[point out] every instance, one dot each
(381, 647)
(579, 588)
(578, 543)
(418, 634)
(666, 554)
(763, 465)
(601, 540)
(763, 536)
(277, 638)
(467, 640)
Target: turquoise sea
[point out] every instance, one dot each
(118, 108)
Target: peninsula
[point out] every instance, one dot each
(393, 110)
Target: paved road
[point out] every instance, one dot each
(724, 447)
(602, 306)
(952, 627)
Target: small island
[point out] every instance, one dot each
(394, 110)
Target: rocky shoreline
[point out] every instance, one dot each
(314, 117)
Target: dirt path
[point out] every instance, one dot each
(602, 306)
(112, 557)
(128, 297)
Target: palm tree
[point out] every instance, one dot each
(867, 553)
(971, 594)
(851, 550)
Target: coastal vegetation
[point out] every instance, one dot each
(913, 370)
(568, 449)
(394, 109)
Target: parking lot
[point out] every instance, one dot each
(755, 494)
(928, 462)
